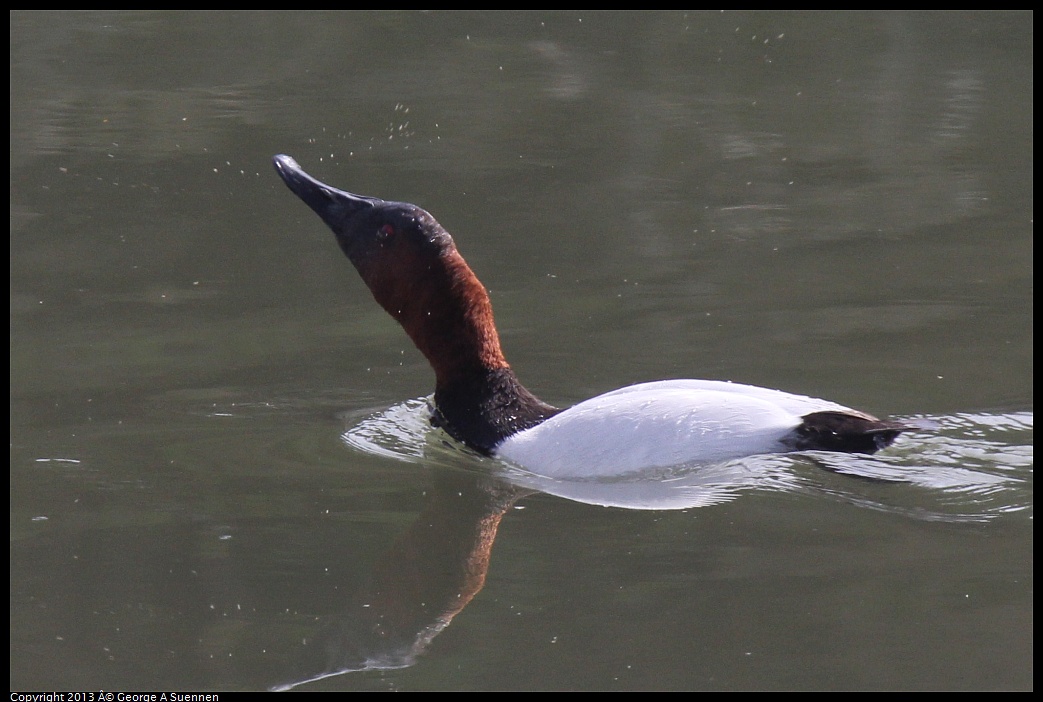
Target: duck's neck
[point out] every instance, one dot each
(449, 317)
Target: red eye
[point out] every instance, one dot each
(386, 232)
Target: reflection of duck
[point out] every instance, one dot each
(411, 265)
(426, 578)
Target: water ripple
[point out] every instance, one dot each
(967, 467)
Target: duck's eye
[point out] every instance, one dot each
(385, 233)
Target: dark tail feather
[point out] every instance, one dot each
(845, 432)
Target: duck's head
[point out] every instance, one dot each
(413, 269)
(390, 243)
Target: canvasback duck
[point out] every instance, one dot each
(415, 272)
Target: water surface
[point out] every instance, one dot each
(220, 473)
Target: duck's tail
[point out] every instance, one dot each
(845, 432)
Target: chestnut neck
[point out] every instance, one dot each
(446, 311)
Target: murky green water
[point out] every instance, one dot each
(220, 476)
